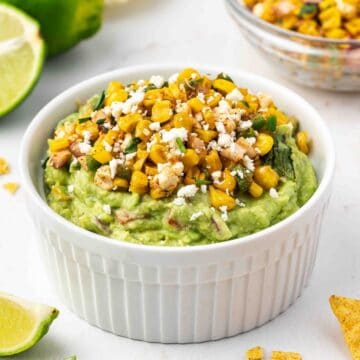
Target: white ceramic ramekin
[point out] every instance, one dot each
(178, 295)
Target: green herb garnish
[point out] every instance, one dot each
(307, 9)
(165, 84)
(180, 145)
(258, 123)
(271, 123)
(100, 101)
(224, 77)
(132, 147)
(245, 103)
(44, 162)
(84, 119)
(280, 158)
(91, 163)
(150, 87)
(100, 121)
(243, 177)
(200, 182)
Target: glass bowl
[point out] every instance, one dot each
(313, 61)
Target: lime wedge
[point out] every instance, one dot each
(22, 323)
(21, 56)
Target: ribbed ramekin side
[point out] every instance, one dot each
(184, 304)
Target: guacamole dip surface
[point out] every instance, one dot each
(182, 161)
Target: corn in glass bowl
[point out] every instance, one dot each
(313, 61)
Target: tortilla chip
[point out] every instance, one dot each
(283, 355)
(12, 187)
(347, 312)
(4, 166)
(256, 353)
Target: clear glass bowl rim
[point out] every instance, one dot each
(242, 11)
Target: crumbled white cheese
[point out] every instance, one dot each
(141, 82)
(173, 78)
(195, 215)
(213, 145)
(70, 188)
(128, 106)
(181, 106)
(130, 156)
(187, 191)
(107, 209)
(225, 140)
(264, 99)
(114, 165)
(203, 188)
(224, 214)
(239, 203)
(235, 95)
(273, 193)
(249, 163)
(87, 136)
(178, 168)
(107, 146)
(206, 127)
(157, 80)
(201, 97)
(216, 175)
(220, 127)
(179, 201)
(251, 140)
(173, 134)
(245, 124)
(84, 147)
(223, 107)
(258, 9)
(155, 126)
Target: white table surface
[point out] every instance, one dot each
(150, 31)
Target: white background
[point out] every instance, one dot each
(150, 31)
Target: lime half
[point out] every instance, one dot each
(21, 56)
(22, 323)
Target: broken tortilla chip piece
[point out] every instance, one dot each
(4, 166)
(347, 312)
(12, 187)
(283, 355)
(256, 353)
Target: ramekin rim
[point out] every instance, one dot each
(240, 9)
(90, 236)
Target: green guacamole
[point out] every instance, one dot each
(71, 192)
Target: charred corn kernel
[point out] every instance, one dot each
(324, 4)
(184, 120)
(90, 127)
(4, 166)
(281, 118)
(302, 142)
(176, 92)
(336, 34)
(158, 154)
(192, 174)
(138, 182)
(188, 73)
(190, 159)
(219, 198)
(11, 187)
(111, 136)
(120, 96)
(223, 86)
(330, 18)
(228, 182)
(99, 153)
(209, 118)
(266, 177)
(138, 165)
(264, 143)
(128, 122)
(353, 26)
(207, 135)
(121, 183)
(150, 170)
(309, 27)
(58, 144)
(213, 98)
(255, 190)
(213, 162)
(142, 153)
(289, 21)
(114, 86)
(142, 130)
(196, 104)
(161, 111)
(157, 193)
(152, 96)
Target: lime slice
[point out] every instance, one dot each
(21, 56)
(22, 323)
